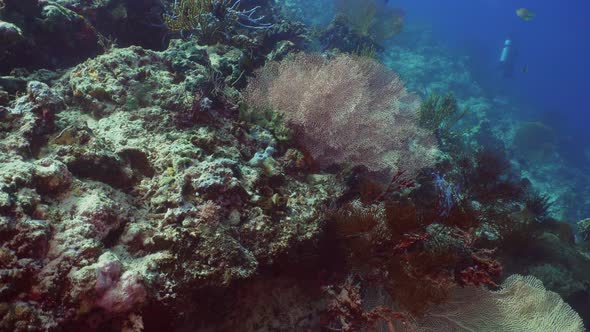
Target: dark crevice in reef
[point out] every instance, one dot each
(138, 160)
(113, 236)
(107, 169)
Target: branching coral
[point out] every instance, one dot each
(186, 15)
(207, 17)
(418, 261)
(360, 14)
(346, 310)
(372, 18)
(487, 176)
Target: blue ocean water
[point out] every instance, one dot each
(550, 54)
(547, 84)
(553, 46)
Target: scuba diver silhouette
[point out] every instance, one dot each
(507, 58)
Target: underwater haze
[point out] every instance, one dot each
(294, 165)
(552, 46)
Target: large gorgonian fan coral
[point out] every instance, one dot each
(522, 304)
(348, 109)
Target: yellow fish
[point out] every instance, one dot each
(525, 14)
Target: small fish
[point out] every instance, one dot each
(525, 69)
(525, 14)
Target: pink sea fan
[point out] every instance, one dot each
(348, 109)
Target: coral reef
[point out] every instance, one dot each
(206, 17)
(534, 141)
(339, 35)
(173, 165)
(371, 18)
(107, 211)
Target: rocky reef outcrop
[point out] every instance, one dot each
(113, 199)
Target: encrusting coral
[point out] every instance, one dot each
(126, 211)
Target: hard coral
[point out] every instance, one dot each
(210, 19)
(127, 293)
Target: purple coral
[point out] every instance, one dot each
(124, 295)
(118, 293)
